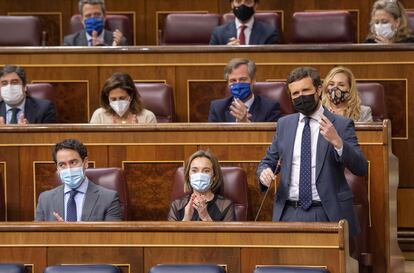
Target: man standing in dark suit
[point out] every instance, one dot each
(94, 34)
(244, 30)
(77, 199)
(312, 147)
(242, 105)
(17, 107)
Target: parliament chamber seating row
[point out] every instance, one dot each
(161, 268)
(308, 27)
(235, 188)
(159, 98)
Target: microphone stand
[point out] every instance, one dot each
(277, 170)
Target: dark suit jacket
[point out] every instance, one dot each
(262, 110)
(79, 39)
(261, 34)
(100, 204)
(333, 189)
(35, 110)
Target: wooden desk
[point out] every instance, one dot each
(149, 155)
(136, 247)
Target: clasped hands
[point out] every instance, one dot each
(21, 120)
(239, 110)
(116, 36)
(197, 202)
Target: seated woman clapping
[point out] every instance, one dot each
(121, 103)
(203, 178)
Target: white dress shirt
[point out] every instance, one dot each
(79, 198)
(249, 103)
(295, 172)
(247, 30)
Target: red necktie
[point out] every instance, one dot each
(242, 36)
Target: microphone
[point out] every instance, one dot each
(277, 171)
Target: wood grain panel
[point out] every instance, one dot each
(128, 259)
(149, 186)
(9, 157)
(200, 94)
(34, 258)
(227, 257)
(311, 257)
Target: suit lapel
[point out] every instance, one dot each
(227, 116)
(82, 40)
(58, 201)
(254, 34)
(253, 108)
(3, 111)
(30, 110)
(322, 147)
(231, 31)
(91, 197)
(290, 132)
(108, 37)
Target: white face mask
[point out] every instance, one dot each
(120, 106)
(12, 94)
(384, 30)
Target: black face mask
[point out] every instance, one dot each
(305, 104)
(243, 13)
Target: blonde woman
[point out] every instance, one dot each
(340, 95)
(389, 23)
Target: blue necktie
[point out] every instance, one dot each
(305, 184)
(71, 214)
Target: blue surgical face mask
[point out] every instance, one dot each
(200, 182)
(94, 23)
(72, 177)
(240, 90)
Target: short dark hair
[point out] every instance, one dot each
(14, 69)
(101, 3)
(70, 144)
(303, 72)
(126, 83)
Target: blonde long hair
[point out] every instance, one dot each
(353, 110)
(396, 10)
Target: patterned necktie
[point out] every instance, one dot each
(71, 214)
(305, 186)
(13, 119)
(242, 35)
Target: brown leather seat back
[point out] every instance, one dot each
(275, 91)
(41, 91)
(359, 245)
(20, 31)
(271, 18)
(158, 98)
(372, 95)
(112, 22)
(318, 27)
(234, 188)
(188, 28)
(113, 179)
